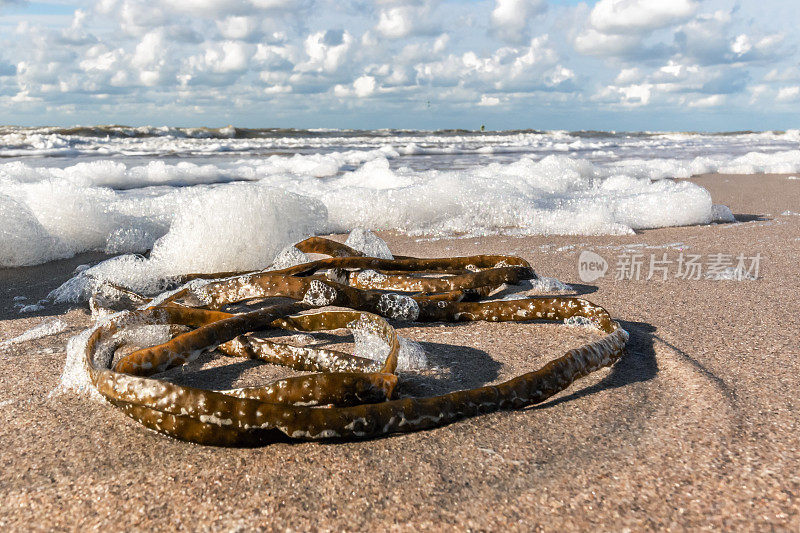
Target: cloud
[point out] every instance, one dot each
(489, 101)
(174, 58)
(364, 86)
(511, 18)
(637, 16)
(713, 100)
(9, 3)
(619, 28)
(789, 94)
(597, 43)
(400, 19)
(240, 27)
(509, 69)
(396, 22)
(788, 73)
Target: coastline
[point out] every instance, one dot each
(696, 427)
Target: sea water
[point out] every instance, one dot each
(205, 200)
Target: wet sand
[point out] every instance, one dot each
(698, 426)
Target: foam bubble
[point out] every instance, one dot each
(75, 376)
(23, 239)
(319, 294)
(580, 322)
(370, 345)
(398, 307)
(370, 244)
(722, 213)
(288, 257)
(412, 355)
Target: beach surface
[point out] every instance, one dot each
(696, 427)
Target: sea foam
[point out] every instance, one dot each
(260, 205)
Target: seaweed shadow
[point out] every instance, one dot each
(741, 217)
(637, 365)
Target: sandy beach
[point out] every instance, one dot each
(697, 427)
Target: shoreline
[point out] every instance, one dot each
(697, 426)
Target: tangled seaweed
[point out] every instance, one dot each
(347, 396)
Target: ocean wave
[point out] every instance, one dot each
(181, 210)
(113, 141)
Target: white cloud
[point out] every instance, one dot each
(271, 54)
(239, 28)
(620, 28)
(229, 56)
(440, 44)
(789, 73)
(326, 50)
(396, 22)
(364, 86)
(633, 95)
(713, 100)
(741, 45)
(150, 52)
(789, 94)
(511, 18)
(636, 16)
(628, 76)
(400, 19)
(596, 43)
(534, 67)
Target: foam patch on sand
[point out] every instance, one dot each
(722, 214)
(75, 376)
(46, 329)
(365, 241)
(540, 285)
(237, 227)
(370, 345)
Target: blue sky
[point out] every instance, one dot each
(548, 64)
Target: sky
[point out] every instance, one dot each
(632, 65)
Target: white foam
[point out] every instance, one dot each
(545, 284)
(288, 257)
(234, 227)
(526, 288)
(367, 242)
(722, 213)
(412, 355)
(580, 322)
(398, 307)
(23, 239)
(319, 294)
(33, 308)
(193, 218)
(369, 345)
(75, 376)
(46, 328)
